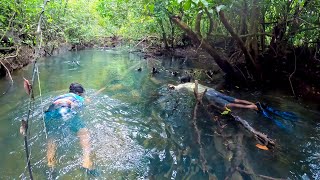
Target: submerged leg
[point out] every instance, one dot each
(243, 102)
(250, 106)
(84, 137)
(51, 151)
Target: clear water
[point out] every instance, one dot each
(141, 130)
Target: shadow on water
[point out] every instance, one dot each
(141, 130)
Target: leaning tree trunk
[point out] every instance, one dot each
(249, 59)
(221, 61)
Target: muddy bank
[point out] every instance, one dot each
(24, 55)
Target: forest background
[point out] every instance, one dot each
(254, 42)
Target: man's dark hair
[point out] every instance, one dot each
(76, 88)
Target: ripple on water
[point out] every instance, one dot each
(313, 153)
(115, 150)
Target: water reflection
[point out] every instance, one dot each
(141, 130)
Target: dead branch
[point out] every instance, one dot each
(260, 137)
(8, 72)
(199, 101)
(255, 34)
(295, 68)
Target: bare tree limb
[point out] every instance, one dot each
(294, 71)
(194, 122)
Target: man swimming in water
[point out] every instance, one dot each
(217, 97)
(63, 114)
(225, 102)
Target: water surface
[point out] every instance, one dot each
(141, 130)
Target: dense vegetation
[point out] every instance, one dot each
(282, 35)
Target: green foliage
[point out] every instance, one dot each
(79, 21)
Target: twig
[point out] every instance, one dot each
(260, 137)
(8, 72)
(242, 73)
(209, 76)
(17, 52)
(295, 68)
(39, 35)
(199, 45)
(140, 41)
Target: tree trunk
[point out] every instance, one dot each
(249, 60)
(221, 61)
(243, 28)
(172, 33)
(197, 27)
(263, 30)
(211, 23)
(254, 30)
(164, 36)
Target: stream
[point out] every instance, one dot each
(142, 130)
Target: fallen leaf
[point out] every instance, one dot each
(27, 86)
(262, 147)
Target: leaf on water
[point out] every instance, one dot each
(262, 147)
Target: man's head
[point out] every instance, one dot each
(76, 88)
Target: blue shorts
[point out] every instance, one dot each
(62, 118)
(219, 98)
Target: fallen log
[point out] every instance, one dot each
(259, 136)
